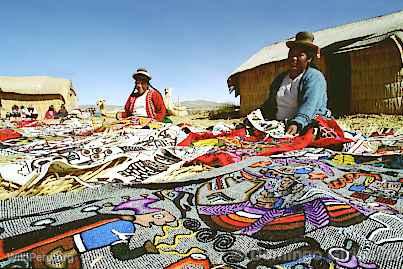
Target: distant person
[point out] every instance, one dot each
(15, 111)
(145, 100)
(33, 113)
(299, 94)
(24, 112)
(62, 112)
(50, 114)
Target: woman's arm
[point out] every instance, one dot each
(313, 91)
(159, 106)
(129, 106)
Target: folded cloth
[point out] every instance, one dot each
(327, 133)
(272, 128)
(27, 123)
(323, 133)
(192, 137)
(6, 134)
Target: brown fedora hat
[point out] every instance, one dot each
(142, 73)
(304, 39)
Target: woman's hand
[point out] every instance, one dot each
(292, 129)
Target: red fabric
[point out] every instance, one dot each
(331, 125)
(27, 123)
(217, 159)
(286, 145)
(6, 134)
(192, 137)
(155, 106)
(329, 134)
(257, 136)
(327, 142)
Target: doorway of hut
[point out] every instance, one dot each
(339, 83)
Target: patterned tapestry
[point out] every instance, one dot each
(257, 201)
(313, 210)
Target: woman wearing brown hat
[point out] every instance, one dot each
(145, 101)
(299, 94)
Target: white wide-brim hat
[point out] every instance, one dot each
(142, 72)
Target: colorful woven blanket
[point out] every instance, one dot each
(309, 209)
(301, 207)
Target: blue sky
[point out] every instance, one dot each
(190, 46)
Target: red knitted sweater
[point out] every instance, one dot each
(155, 106)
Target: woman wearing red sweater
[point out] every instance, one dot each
(50, 114)
(145, 101)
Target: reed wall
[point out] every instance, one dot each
(376, 82)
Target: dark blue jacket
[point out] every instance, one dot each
(312, 98)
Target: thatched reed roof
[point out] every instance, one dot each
(36, 85)
(358, 35)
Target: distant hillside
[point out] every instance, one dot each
(202, 104)
(192, 105)
(108, 107)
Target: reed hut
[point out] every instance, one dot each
(38, 91)
(362, 62)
